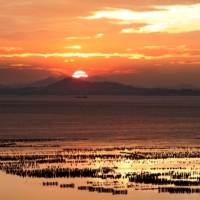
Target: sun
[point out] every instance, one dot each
(79, 74)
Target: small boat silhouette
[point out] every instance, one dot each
(81, 97)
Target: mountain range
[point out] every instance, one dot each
(50, 80)
(77, 86)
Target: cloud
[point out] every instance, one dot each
(121, 14)
(189, 62)
(126, 33)
(73, 47)
(76, 38)
(99, 35)
(20, 65)
(88, 55)
(85, 38)
(171, 19)
(130, 56)
(11, 48)
(130, 71)
(155, 47)
(173, 48)
(147, 29)
(60, 15)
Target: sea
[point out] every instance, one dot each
(100, 118)
(96, 121)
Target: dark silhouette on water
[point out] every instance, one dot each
(82, 164)
(82, 96)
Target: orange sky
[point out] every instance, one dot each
(146, 43)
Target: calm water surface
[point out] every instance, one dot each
(104, 121)
(100, 118)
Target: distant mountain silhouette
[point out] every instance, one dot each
(94, 79)
(40, 83)
(3, 86)
(77, 86)
(179, 87)
(50, 80)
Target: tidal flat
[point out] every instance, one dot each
(60, 169)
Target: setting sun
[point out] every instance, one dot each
(79, 74)
(146, 44)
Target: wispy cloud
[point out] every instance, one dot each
(171, 19)
(147, 29)
(179, 47)
(105, 55)
(85, 37)
(11, 48)
(155, 47)
(99, 35)
(189, 62)
(76, 38)
(73, 47)
(20, 65)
